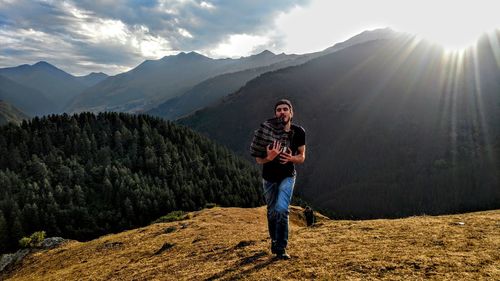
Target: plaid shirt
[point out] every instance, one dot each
(269, 131)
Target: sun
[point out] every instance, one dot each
(452, 35)
(455, 25)
(452, 40)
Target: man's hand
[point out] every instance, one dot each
(273, 150)
(286, 156)
(299, 158)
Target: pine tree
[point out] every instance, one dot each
(4, 232)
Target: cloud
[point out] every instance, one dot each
(114, 36)
(207, 5)
(239, 45)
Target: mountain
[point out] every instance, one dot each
(233, 244)
(213, 89)
(58, 86)
(155, 81)
(365, 36)
(8, 113)
(26, 99)
(395, 127)
(92, 78)
(263, 58)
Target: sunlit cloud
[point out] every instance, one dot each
(153, 47)
(239, 45)
(184, 33)
(122, 34)
(207, 5)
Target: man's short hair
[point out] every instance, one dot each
(283, 101)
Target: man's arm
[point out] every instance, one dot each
(301, 155)
(262, 160)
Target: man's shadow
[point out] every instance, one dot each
(259, 264)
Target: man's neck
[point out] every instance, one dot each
(288, 126)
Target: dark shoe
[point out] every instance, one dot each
(273, 247)
(283, 256)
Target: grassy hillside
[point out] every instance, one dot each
(9, 113)
(231, 243)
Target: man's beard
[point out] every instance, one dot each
(283, 120)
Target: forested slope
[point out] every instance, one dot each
(85, 175)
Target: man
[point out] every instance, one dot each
(278, 172)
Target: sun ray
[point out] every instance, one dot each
(495, 45)
(402, 51)
(480, 106)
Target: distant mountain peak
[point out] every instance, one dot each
(92, 78)
(366, 36)
(43, 64)
(96, 74)
(265, 53)
(183, 55)
(193, 54)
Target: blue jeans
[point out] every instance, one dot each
(278, 196)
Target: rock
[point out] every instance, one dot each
(243, 244)
(9, 260)
(112, 245)
(165, 247)
(170, 229)
(52, 242)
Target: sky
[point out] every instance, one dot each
(113, 36)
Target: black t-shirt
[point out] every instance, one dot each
(274, 171)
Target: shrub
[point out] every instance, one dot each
(172, 216)
(210, 205)
(34, 241)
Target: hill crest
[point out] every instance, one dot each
(232, 243)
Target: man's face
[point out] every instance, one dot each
(284, 111)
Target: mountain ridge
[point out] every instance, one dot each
(208, 92)
(92, 78)
(26, 99)
(155, 81)
(56, 85)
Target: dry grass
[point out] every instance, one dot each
(232, 243)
